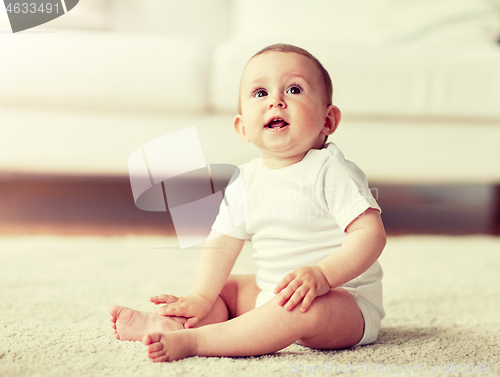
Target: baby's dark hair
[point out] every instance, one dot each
(283, 47)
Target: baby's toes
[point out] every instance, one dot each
(160, 359)
(155, 347)
(155, 355)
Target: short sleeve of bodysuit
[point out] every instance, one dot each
(233, 211)
(343, 189)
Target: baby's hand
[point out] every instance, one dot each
(163, 299)
(304, 284)
(194, 307)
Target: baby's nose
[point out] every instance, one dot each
(276, 102)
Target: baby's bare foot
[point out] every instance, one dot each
(171, 346)
(131, 324)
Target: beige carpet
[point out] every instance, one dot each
(442, 298)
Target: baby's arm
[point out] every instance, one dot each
(365, 241)
(216, 262)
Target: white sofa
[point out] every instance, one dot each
(418, 82)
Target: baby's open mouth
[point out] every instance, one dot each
(276, 123)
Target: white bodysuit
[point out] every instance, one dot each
(296, 216)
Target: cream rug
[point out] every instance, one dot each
(442, 298)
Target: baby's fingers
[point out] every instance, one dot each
(295, 299)
(175, 311)
(191, 322)
(287, 293)
(307, 301)
(163, 299)
(284, 282)
(160, 310)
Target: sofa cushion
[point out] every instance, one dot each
(103, 70)
(43, 141)
(381, 22)
(206, 21)
(390, 151)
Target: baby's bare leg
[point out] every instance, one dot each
(334, 321)
(237, 297)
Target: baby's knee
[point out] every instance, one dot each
(237, 283)
(328, 306)
(229, 294)
(239, 294)
(230, 288)
(314, 315)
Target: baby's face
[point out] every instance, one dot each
(283, 111)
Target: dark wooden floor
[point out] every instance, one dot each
(32, 204)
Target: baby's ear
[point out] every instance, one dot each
(332, 120)
(239, 127)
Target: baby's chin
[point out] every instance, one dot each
(283, 156)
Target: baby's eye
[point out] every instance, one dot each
(260, 93)
(295, 89)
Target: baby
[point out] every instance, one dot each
(312, 220)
